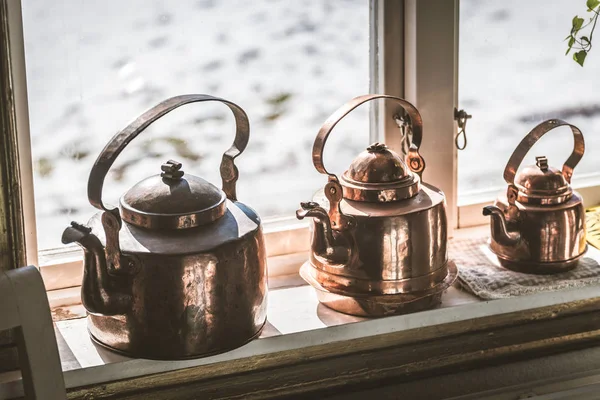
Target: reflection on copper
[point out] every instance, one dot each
(539, 225)
(179, 269)
(379, 236)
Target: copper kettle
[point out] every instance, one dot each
(539, 225)
(379, 240)
(178, 270)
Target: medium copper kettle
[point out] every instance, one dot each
(178, 270)
(539, 225)
(379, 240)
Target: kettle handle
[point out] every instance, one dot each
(229, 172)
(532, 137)
(414, 160)
(333, 189)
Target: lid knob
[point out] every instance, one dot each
(171, 170)
(542, 163)
(377, 148)
(379, 175)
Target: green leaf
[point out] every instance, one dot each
(571, 42)
(591, 4)
(579, 57)
(577, 24)
(585, 40)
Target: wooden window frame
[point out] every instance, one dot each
(414, 48)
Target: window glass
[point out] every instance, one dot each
(513, 74)
(94, 66)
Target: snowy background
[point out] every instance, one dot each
(513, 74)
(92, 67)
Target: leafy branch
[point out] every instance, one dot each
(583, 43)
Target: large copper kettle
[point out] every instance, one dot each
(178, 270)
(539, 225)
(379, 240)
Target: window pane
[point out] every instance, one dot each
(94, 66)
(513, 74)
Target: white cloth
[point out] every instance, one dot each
(480, 273)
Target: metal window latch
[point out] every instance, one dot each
(461, 117)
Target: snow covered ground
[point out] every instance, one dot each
(512, 75)
(94, 66)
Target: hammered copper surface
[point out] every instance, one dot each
(179, 271)
(184, 306)
(539, 226)
(379, 239)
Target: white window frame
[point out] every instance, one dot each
(408, 68)
(62, 268)
(416, 60)
(469, 206)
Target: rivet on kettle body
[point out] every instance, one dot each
(539, 200)
(357, 266)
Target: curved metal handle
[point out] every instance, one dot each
(414, 159)
(229, 172)
(532, 137)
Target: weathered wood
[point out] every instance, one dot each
(12, 234)
(379, 360)
(12, 239)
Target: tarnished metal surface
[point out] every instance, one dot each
(186, 306)
(158, 202)
(539, 226)
(379, 240)
(115, 146)
(184, 273)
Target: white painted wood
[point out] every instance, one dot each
(296, 314)
(431, 83)
(332, 334)
(64, 297)
(23, 304)
(387, 68)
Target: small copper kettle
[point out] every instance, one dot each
(379, 240)
(539, 225)
(178, 270)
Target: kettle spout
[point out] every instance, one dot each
(101, 293)
(500, 232)
(77, 233)
(322, 221)
(325, 241)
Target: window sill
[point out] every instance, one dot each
(306, 346)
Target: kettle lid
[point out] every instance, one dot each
(172, 201)
(542, 185)
(379, 175)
